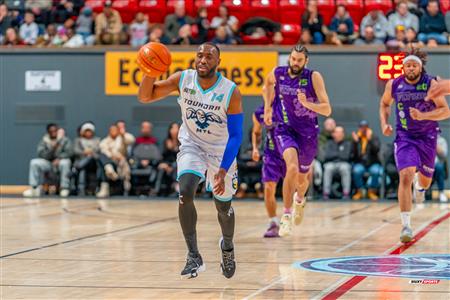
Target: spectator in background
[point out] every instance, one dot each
(185, 36)
(447, 22)
(432, 25)
(231, 23)
(86, 151)
(63, 10)
(411, 39)
(29, 30)
(48, 38)
(342, 25)
(258, 27)
(139, 30)
(369, 38)
(12, 38)
(403, 39)
(41, 10)
(313, 21)
(108, 26)
(168, 167)
(157, 35)
(222, 37)
(441, 167)
(146, 136)
(174, 22)
(54, 152)
(366, 148)
(306, 37)
(379, 24)
(129, 138)
(402, 17)
(73, 40)
(113, 158)
(338, 153)
(202, 24)
(85, 24)
(326, 134)
(5, 21)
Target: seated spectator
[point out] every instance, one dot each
(432, 25)
(157, 35)
(41, 10)
(231, 23)
(174, 22)
(259, 27)
(167, 174)
(12, 38)
(403, 39)
(63, 10)
(369, 38)
(73, 40)
(306, 37)
(202, 24)
(411, 39)
(54, 152)
(366, 148)
(146, 136)
(85, 24)
(123, 132)
(338, 153)
(113, 158)
(402, 17)
(441, 167)
(139, 30)
(379, 24)
(342, 25)
(185, 36)
(331, 38)
(42, 4)
(29, 30)
(326, 134)
(50, 37)
(313, 21)
(5, 21)
(108, 26)
(222, 37)
(86, 151)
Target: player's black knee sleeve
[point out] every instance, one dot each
(225, 215)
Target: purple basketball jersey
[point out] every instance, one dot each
(287, 109)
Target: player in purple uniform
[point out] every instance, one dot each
(294, 95)
(416, 132)
(273, 168)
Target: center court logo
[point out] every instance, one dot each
(420, 266)
(202, 119)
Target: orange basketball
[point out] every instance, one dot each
(154, 59)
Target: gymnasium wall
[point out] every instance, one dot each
(350, 78)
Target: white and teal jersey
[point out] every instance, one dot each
(204, 112)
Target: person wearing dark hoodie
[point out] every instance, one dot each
(342, 25)
(432, 25)
(54, 152)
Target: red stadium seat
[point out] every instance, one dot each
(354, 8)
(265, 8)
(154, 9)
(238, 8)
(291, 11)
(126, 8)
(96, 5)
(188, 4)
(212, 6)
(383, 5)
(445, 5)
(291, 34)
(327, 9)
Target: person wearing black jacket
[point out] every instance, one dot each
(366, 147)
(338, 153)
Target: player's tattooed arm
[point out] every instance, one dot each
(268, 93)
(256, 138)
(441, 112)
(151, 90)
(385, 109)
(323, 107)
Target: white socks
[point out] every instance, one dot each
(406, 218)
(275, 220)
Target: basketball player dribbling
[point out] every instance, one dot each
(416, 132)
(293, 96)
(210, 137)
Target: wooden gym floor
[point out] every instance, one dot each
(134, 249)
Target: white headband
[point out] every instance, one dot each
(412, 57)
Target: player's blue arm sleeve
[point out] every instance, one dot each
(235, 128)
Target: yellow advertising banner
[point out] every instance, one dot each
(246, 69)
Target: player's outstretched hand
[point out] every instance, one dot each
(441, 88)
(415, 114)
(387, 130)
(219, 182)
(255, 155)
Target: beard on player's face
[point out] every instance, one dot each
(295, 69)
(412, 75)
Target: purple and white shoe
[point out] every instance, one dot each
(272, 231)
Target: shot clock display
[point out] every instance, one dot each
(390, 65)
